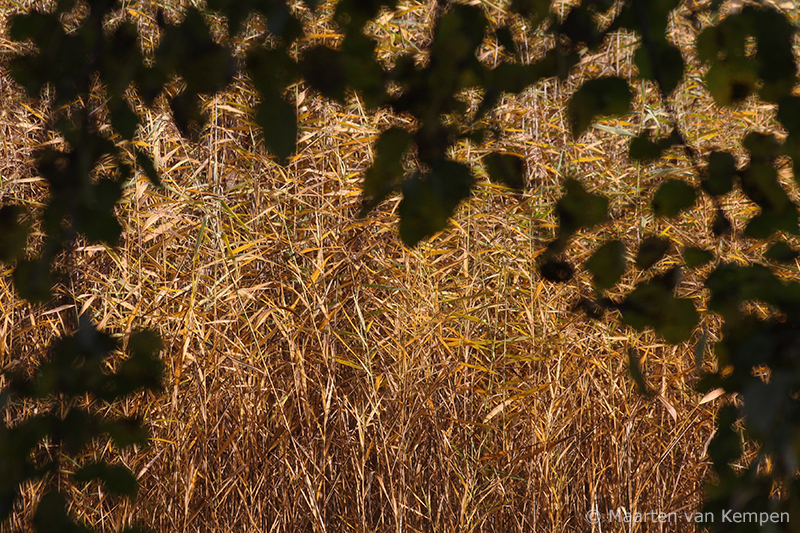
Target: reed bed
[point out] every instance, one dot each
(322, 377)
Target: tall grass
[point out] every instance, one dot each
(322, 377)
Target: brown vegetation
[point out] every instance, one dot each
(322, 377)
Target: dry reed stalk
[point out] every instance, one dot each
(321, 377)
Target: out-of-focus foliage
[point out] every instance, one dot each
(747, 53)
(46, 446)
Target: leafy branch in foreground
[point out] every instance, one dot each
(70, 389)
(414, 160)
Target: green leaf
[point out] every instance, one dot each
(599, 97)
(721, 225)
(651, 250)
(607, 264)
(678, 325)
(644, 150)
(694, 257)
(145, 343)
(123, 118)
(506, 39)
(142, 370)
(763, 225)
(781, 252)
(148, 167)
(33, 279)
(672, 197)
(386, 172)
(661, 62)
(51, 515)
(777, 67)
(323, 68)
(731, 82)
(116, 479)
(720, 173)
(653, 304)
(580, 26)
(556, 271)
(278, 122)
(126, 432)
(13, 232)
(429, 200)
(763, 148)
(508, 169)
(579, 209)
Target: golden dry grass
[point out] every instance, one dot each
(322, 377)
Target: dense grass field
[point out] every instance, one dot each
(323, 377)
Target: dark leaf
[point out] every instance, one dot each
(271, 70)
(579, 209)
(149, 167)
(721, 225)
(13, 232)
(429, 200)
(187, 115)
(126, 432)
(386, 173)
(190, 51)
(580, 26)
(556, 271)
(534, 10)
(599, 97)
(97, 225)
(508, 169)
(33, 279)
(278, 122)
(781, 252)
(651, 250)
(506, 39)
(725, 447)
(121, 59)
(594, 309)
(696, 257)
(116, 479)
(123, 118)
(51, 515)
(643, 149)
(363, 73)
(323, 68)
(720, 173)
(672, 197)
(661, 62)
(76, 430)
(607, 264)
